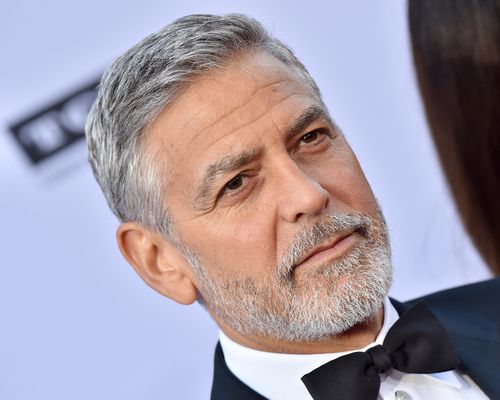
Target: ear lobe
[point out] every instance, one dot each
(157, 261)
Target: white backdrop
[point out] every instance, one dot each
(76, 322)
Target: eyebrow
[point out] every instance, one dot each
(232, 163)
(310, 114)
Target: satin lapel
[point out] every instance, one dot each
(476, 341)
(226, 386)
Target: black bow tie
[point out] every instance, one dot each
(416, 343)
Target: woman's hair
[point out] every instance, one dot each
(456, 49)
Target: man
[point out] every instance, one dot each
(235, 189)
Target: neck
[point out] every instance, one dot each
(357, 337)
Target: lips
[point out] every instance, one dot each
(330, 244)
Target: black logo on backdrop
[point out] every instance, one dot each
(56, 126)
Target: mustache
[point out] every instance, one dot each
(314, 235)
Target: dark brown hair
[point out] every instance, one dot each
(456, 49)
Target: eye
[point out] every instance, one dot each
(238, 188)
(310, 137)
(234, 183)
(233, 187)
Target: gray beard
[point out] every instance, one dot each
(328, 300)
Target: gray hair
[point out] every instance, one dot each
(141, 83)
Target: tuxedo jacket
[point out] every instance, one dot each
(471, 317)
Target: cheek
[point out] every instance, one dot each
(355, 191)
(243, 245)
(342, 177)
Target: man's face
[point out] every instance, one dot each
(270, 204)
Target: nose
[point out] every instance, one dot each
(301, 195)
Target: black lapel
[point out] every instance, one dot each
(226, 386)
(471, 317)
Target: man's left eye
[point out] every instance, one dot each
(310, 137)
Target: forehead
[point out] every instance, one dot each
(227, 110)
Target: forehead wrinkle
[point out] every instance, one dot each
(264, 113)
(251, 98)
(259, 117)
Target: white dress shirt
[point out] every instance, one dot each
(277, 376)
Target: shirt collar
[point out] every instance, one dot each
(278, 375)
(273, 374)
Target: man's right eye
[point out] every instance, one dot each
(234, 183)
(238, 188)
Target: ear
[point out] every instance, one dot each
(157, 261)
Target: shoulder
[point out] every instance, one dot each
(469, 298)
(477, 301)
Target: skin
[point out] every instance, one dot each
(244, 220)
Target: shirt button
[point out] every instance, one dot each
(402, 395)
